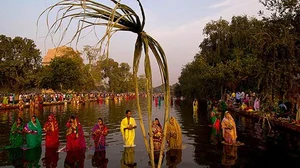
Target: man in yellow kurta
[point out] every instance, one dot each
(127, 129)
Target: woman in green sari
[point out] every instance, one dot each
(16, 134)
(215, 124)
(33, 130)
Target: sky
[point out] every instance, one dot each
(176, 24)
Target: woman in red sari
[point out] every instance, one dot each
(51, 130)
(99, 133)
(75, 136)
(157, 134)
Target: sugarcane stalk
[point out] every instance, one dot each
(166, 119)
(139, 111)
(149, 98)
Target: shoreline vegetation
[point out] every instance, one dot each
(273, 121)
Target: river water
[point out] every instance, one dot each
(263, 148)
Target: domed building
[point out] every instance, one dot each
(58, 52)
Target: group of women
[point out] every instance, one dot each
(173, 136)
(227, 125)
(75, 136)
(32, 131)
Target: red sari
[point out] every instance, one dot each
(75, 136)
(51, 133)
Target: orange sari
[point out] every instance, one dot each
(229, 129)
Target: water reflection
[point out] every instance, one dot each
(156, 158)
(173, 157)
(99, 159)
(229, 156)
(127, 160)
(75, 158)
(51, 158)
(195, 116)
(15, 157)
(277, 148)
(32, 157)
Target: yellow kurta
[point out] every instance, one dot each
(128, 135)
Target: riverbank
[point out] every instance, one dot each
(27, 105)
(286, 124)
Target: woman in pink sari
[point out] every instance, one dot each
(51, 129)
(75, 136)
(229, 129)
(99, 133)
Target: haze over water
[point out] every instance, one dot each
(278, 148)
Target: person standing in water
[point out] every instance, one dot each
(229, 129)
(99, 133)
(174, 134)
(33, 130)
(195, 105)
(16, 134)
(51, 130)
(74, 135)
(127, 129)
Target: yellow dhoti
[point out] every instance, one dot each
(128, 135)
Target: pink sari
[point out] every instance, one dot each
(99, 136)
(75, 136)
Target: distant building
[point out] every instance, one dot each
(57, 52)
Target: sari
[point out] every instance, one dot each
(99, 136)
(16, 136)
(34, 134)
(256, 104)
(157, 138)
(215, 121)
(128, 135)
(51, 129)
(75, 136)
(195, 105)
(229, 129)
(174, 135)
(5, 101)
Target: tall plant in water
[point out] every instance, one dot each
(121, 17)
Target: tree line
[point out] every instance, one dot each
(248, 54)
(21, 70)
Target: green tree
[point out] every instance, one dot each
(225, 60)
(19, 63)
(142, 83)
(92, 55)
(117, 76)
(64, 74)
